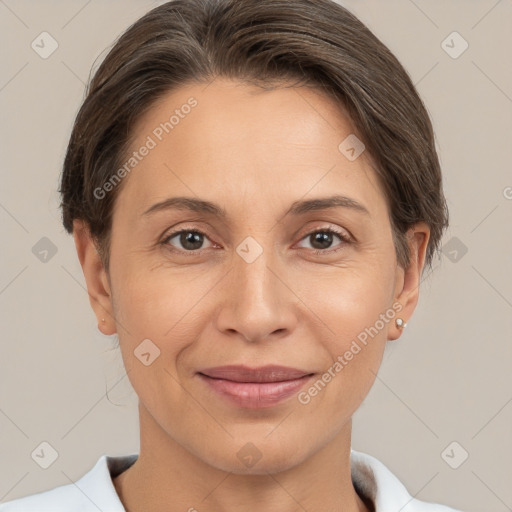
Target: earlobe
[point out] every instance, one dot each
(409, 279)
(96, 277)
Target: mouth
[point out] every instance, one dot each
(255, 387)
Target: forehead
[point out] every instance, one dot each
(227, 141)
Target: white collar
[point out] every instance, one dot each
(373, 480)
(95, 490)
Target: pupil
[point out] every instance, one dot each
(191, 240)
(324, 239)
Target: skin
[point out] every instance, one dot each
(254, 153)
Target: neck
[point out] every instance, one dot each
(168, 478)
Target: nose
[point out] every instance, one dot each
(257, 301)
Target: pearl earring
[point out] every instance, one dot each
(400, 323)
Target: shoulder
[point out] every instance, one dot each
(60, 499)
(92, 492)
(373, 480)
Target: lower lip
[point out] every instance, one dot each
(256, 395)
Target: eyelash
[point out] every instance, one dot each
(343, 237)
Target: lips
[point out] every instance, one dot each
(269, 373)
(254, 388)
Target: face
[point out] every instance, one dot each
(253, 270)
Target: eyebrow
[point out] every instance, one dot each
(297, 207)
(337, 201)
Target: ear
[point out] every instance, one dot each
(407, 284)
(96, 277)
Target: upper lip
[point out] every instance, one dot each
(241, 373)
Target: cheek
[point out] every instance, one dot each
(163, 303)
(348, 299)
(166, 306)
(356, 312)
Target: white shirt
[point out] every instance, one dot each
(95, 491)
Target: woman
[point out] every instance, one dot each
(254, 193)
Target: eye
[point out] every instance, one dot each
(190, 239)
(322, 239)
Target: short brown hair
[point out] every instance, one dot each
(264, 42)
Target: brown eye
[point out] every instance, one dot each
(190, 240)
(321, 240)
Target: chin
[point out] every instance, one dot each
(257, 458)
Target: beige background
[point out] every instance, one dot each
(447, 379)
